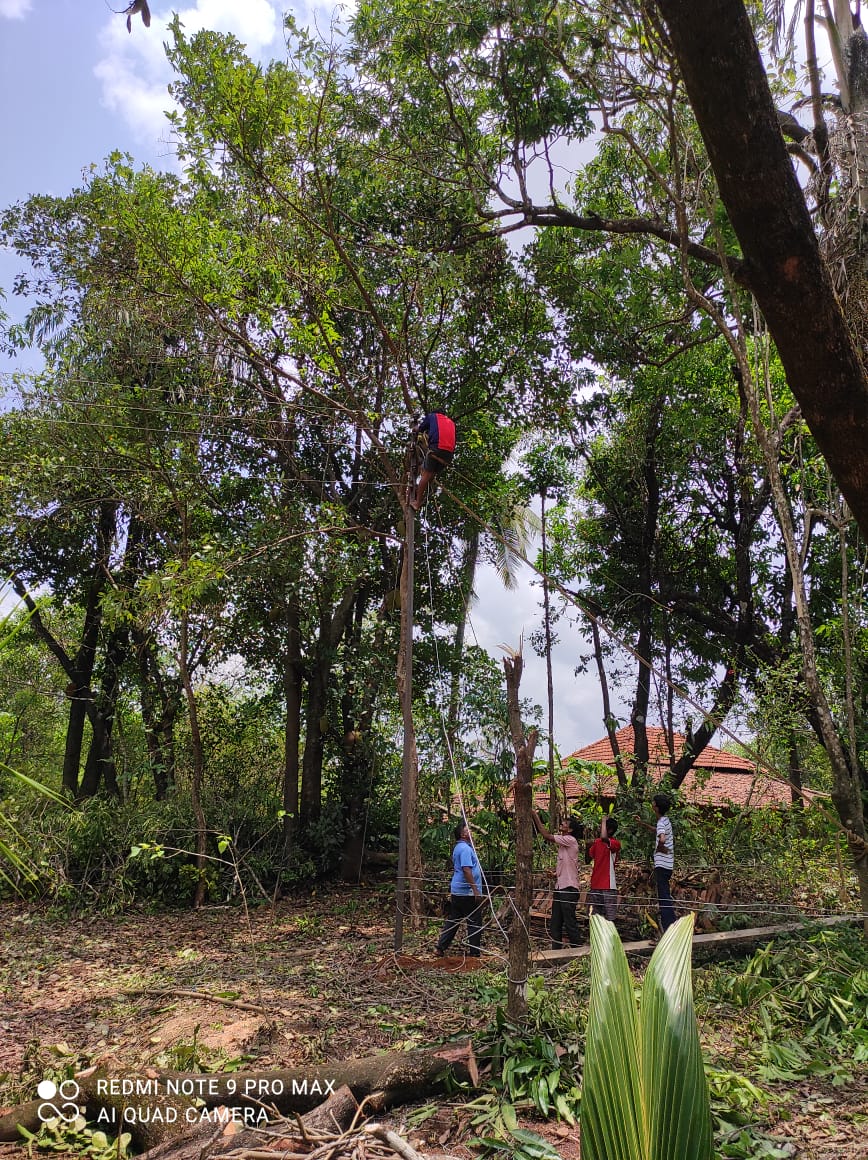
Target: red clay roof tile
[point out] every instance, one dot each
(718, 778)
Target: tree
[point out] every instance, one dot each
(546, 475)
(781, 262)
(524, 745)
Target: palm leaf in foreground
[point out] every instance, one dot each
(644, 1093)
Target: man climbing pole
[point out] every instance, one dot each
(435, 434)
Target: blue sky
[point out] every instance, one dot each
(76, 86)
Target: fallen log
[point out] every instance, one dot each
(281, 1138)
(333, 1116)
(160, 1107)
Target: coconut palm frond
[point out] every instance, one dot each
(509, 541)
(785, 19)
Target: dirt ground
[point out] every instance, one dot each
(308, 980)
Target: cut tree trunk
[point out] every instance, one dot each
(165, 1111)
(519, 931)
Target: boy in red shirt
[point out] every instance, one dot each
(603, 852)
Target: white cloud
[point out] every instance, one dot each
(254, 22)
(135, 74)
(500, 617)
(15, 9)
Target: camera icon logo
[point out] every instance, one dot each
(67, 1092)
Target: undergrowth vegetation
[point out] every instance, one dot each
(791, 1019)
(795, 1013)
(104, 854)
(784, 1032)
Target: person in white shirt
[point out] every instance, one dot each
(664, 856)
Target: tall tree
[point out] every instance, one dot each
(781, 263)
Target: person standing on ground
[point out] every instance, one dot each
(465, 896)
(438, 434)
(664, 856)
(566, 893)
(604, 852)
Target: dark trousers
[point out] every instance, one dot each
(463, 907)
(664, 896)
(563, 917)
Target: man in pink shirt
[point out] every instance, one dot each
(566, 893)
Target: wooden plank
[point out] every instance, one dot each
(749, 934)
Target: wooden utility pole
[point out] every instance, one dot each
(519, 935)
(409, 893)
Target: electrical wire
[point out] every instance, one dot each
(565, 594)
(575, 600)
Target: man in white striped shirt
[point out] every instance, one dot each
(664, 857)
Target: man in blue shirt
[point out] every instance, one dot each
(465, 896)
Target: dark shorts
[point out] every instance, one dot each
(436, 460)
(605, 902)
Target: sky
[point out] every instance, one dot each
(76, 86)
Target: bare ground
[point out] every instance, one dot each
(308, 980)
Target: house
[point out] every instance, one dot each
(718, 778)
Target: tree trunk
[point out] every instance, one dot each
(846, 789)
(159, 704)
(722, 704)
(729, 92)
(554, 810)
(198, 757)
(359, 764)
(292, 699)
(409, 893)
(333, 622)
(314, 736)
(519, 937)
(794, 768)
(467, 575)
(78, 669)
(74, 740)
(401, 1077)
(100, 765)
(648, 538)
(608, 717)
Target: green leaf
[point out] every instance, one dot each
(563, 1109)
(676, 1093)
(510, 1120)
(611, 1118)
(645, 1095)
(534, 1145)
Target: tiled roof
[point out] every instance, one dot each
(717, 778)
(658, 752)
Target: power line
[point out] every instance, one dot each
(681, 693)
